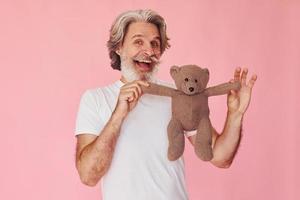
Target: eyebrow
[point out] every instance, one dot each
(140, 35)
(137, 35)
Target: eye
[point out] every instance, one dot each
(155, 44)
(186, 79)
(196, 81)
(138, 42)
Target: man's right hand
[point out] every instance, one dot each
(129, 96)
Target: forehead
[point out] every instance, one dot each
(142, 29)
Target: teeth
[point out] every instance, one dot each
(145, 61)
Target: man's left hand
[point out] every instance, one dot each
(238, 100)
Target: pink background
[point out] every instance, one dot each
(51, 51)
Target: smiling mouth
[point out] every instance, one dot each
(144, 65)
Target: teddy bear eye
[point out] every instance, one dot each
(186, 79)
(196, 80)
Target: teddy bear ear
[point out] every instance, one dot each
(206, 70)
(174, 70)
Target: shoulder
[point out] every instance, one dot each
(98, 95)
(91, 94)
(98, 92)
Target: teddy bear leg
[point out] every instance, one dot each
(176, 140)
(203, 140)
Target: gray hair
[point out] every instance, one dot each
(120, 26)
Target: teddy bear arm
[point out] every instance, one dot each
(160, 90)
(222, 89)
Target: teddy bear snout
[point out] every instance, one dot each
(191, 89)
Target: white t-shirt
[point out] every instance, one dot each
(140, 169)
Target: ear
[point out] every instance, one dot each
(119, 50)
(206, 70)
(174, 70)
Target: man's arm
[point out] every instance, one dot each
(238, 101)
(225, 145)
(94, 154)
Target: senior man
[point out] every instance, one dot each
(122, 134)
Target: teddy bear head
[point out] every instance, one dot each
(190, 79)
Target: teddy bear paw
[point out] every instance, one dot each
(204, 154)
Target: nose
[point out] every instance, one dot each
(148, 50)
(191, 89)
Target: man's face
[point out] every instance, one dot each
(140, 51)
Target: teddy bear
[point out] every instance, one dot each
(190, 109)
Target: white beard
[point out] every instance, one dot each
(130, 74)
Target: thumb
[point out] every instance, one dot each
(233, 92)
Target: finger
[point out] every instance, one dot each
(244, 76)
(135, 92)
(139, 88)
(231, 80)
(252, 81)
(140, 84)
(133, 85)
(144, 83)
(130, 99)
(130, 94)
(129, 85)
(232, 92)
(237, 73)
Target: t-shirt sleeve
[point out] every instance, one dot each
(88, 117)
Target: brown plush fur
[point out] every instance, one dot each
(190, 108)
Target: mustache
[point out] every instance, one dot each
(146, 58)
